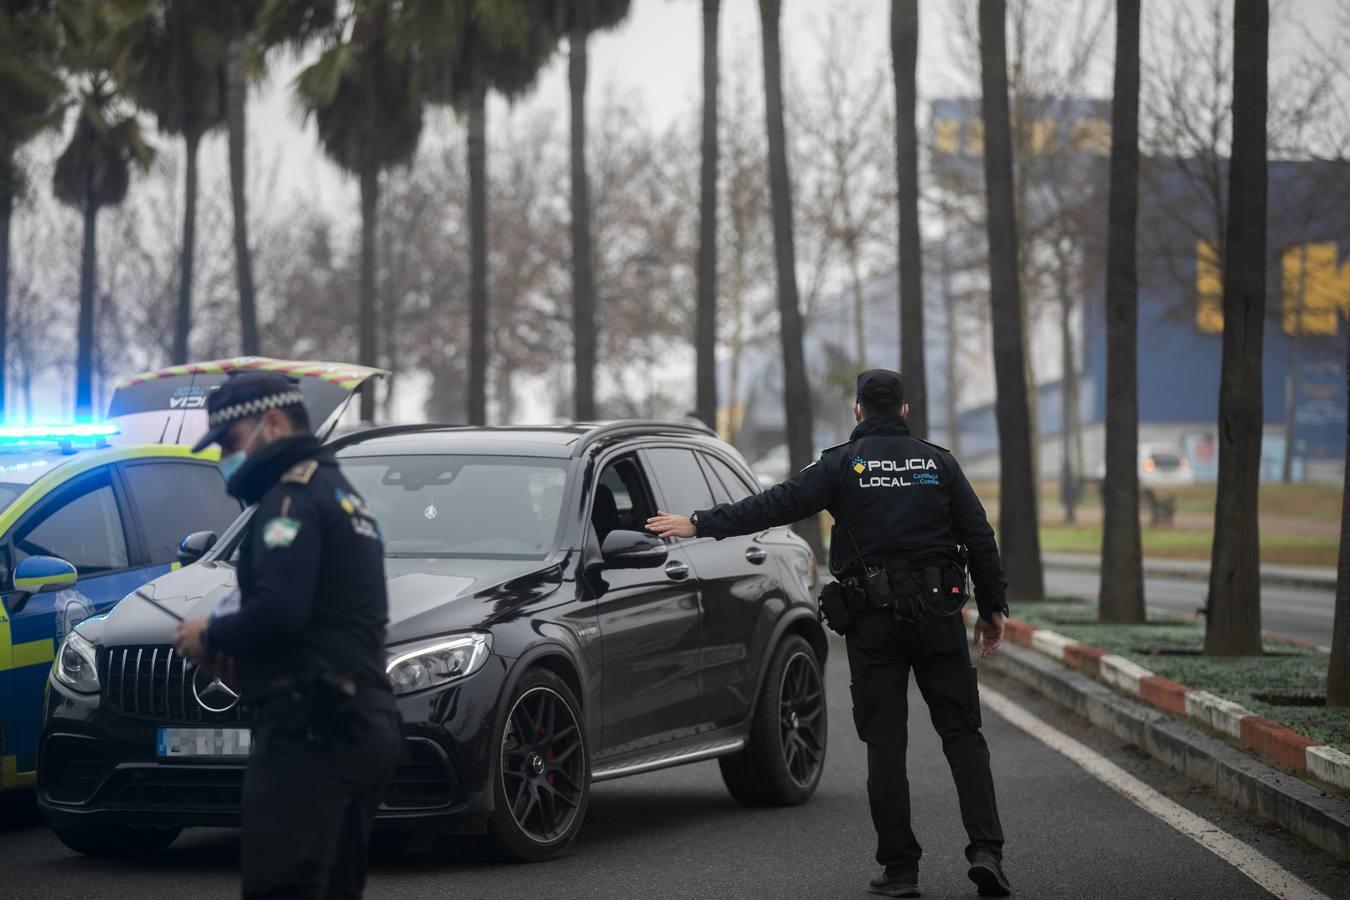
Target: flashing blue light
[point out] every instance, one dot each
(23, 434)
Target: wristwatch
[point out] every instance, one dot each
(693, 520)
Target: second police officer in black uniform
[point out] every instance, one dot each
(303, 645)
(905, 520)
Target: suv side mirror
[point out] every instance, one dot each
(38, 575)
(633, 550)
(194, 546)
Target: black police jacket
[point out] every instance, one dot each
(890, 493)
(311, 574)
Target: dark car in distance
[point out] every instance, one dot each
(540, 640)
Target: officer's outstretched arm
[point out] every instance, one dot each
(972, 528)
(286, 542)
(801, 496)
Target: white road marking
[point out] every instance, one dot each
(1260, 868)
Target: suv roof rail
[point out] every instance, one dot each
(622, 427)
(365, 432)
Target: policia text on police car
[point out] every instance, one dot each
(303, 645)
(905, 520)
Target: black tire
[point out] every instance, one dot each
(541, 786)
(782, 762)
(115, 840)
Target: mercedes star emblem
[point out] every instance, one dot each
(213, 695)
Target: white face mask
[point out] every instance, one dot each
(228, 465)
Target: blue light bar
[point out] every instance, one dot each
(26, 433)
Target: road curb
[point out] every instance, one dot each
(1265, 736)
(1235, 775)
(1064, 563)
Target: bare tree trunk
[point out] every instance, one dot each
(6, 213)
(904, 60)
(183, 324)
(1018, 527)
(370, 200)
(859, 304)
(705, 339)
(1068, 387)
(478, 252)
(1338, 670)
(236, 95)
(84, 354)
(953, 360)
(796, 390)
(1122, 587)
(583, 260)
(1233, 625)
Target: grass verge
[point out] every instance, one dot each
(1169, 544)
(1170, 646)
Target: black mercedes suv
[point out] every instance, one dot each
(540, 640)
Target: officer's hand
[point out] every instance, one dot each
(665, 525)
(188, 640)
(988, 633)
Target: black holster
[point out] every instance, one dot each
(311, 708)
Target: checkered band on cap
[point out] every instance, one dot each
(254, 407)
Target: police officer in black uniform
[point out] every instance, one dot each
(905, 520)
(303, 643)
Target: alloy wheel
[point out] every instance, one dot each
(801, 706)
(541, 764)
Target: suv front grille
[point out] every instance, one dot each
(154, 682)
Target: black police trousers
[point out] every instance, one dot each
(309, 809)
(881, 652)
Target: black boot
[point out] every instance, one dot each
(896, 883)
(987, 872)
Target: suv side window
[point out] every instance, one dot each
(83, 528)
(733, 483)
(681, 478)
(173, 499)
(622, 500)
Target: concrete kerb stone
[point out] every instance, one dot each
(1235, 775)
(1330, 765)
(1120, 672)
(1050, 643)
(1222, 715)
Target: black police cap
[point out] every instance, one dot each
(243, 395)
(882, 386)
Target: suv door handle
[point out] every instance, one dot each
(677, 570)
(756, 555)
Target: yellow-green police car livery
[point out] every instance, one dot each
(82, 524)
(90, 513)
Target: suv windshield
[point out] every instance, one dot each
(462, 506)
(7, 494)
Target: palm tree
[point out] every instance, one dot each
(94, 170)
(469, 47)
(1017, 478)
(796, 389)
(904, 60)
(364, 95)
(30, 94)
(705, 329)
(1233, 623)
(1122, 588)
(578, 19)
(169, 62)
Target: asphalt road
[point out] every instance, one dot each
(678, 834)
(1291, 612)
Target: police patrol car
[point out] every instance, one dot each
(91, 512)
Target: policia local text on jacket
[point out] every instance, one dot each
(307, 644)
(895, 498)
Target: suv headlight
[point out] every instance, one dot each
(76, 664)
(437, 662)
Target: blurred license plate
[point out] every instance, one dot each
(220, 742)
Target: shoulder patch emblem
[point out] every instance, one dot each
(280, 532)
(301, 472)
